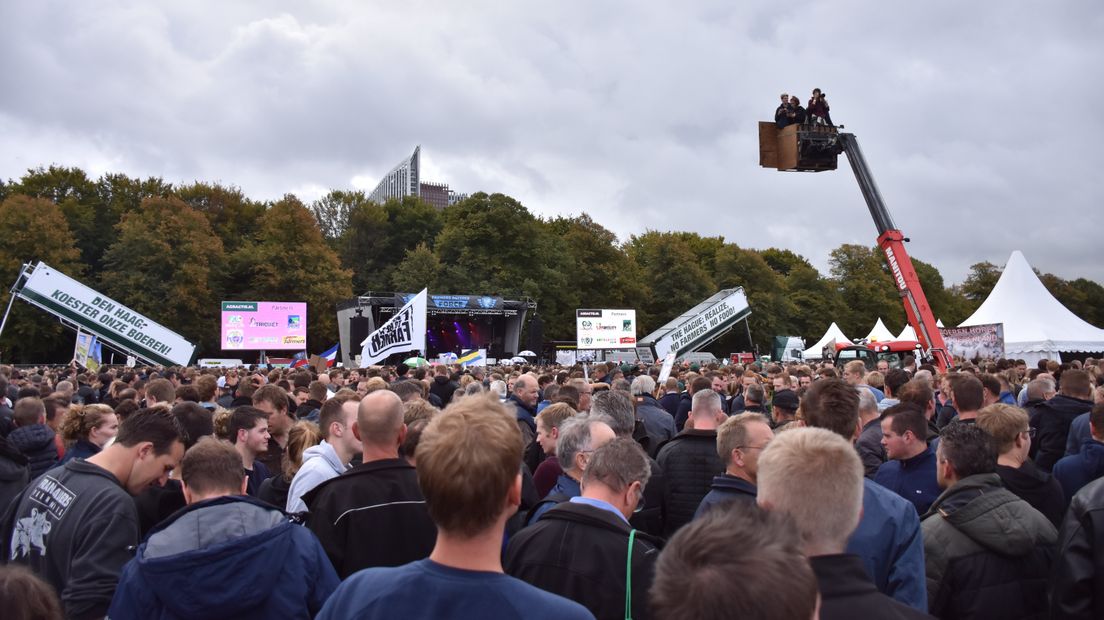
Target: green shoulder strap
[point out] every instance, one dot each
(628, 577)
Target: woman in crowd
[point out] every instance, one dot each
(86, 429)
(300, 437)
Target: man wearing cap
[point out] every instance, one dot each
(784, 408)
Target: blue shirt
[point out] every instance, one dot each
(426, 589)
(889, 542)
(597, 503)
(913, 479)
(566, 486)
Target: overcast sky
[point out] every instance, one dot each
(981, 121)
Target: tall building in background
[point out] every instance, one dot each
(405, 180)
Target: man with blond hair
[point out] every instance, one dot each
(469, 462)
(816, 478)
(740, 441)
(1009, 428)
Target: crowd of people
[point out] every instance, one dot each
(791, 112)
(751, 491)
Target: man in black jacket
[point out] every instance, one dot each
(1009, 428)
(740, 440)
(690, 461)
(32, 436)
(1077, 583)
(1055, 416)
(374, 514)
(443, 385)
(580, 548)
(618, 407)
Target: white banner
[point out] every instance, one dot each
(977, 341)
(108, 319)
(668, 365)
(406, 331)
(699, 327)
(84, 348)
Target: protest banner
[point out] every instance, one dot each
(406, 331)
(976, 341)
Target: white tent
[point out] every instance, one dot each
(816, 351)
(1036, 325)
(879, 333)
(908, 333)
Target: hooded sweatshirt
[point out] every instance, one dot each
(1037, 488)
(320, 463)
(227, 557)
(987, 552)
(36, 442)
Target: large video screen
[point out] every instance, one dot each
(605, 329)
(264, 325)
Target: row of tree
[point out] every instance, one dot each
(174, 252)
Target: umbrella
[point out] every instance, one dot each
(518, 360)
(415, 362)
(527, 354)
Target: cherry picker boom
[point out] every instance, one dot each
(815, 148)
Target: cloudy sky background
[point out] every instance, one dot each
(981, 121)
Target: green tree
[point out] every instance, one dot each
(979, 283)
(290, 261)
(232, 216)
(784, 261)
(332, 211)
(867, 289)
(816, 300)
(419, 269)
(34, 230)
(771, 309)
(166, 263)
(90, 222)
(675, 278)
(375, 237)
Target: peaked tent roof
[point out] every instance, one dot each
(816, 351)
(908, 333)
(1034, 321)
(879, 333)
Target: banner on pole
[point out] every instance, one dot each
(406, 331)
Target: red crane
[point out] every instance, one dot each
(814, 148)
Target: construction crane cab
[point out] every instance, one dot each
(815, 148)
(871, 353)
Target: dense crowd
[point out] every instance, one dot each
(724, 491)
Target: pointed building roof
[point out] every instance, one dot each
(1034, 321)
(816, 351)
(879, 333)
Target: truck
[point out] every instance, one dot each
(816, 148)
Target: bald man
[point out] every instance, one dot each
(373, 514)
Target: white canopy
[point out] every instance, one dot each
(816, 351)
(908, 333)
(879, 333)
(1036, 325)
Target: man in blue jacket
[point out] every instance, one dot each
(204, 561)
(1077, 470)
(909, 470)
(740, 440)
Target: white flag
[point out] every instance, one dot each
(406, 331)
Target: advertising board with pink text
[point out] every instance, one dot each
(264, 325)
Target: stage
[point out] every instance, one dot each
(453, 322)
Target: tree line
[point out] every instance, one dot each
(173, 252)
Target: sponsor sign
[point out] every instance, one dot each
(406, 331)
(703, 326)
(264, 325)
(976, 341)
(108, 319)
(605, 329)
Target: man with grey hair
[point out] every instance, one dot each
(659, 424)
(617, 409)
(690, 460)
(869, 444)
(548, 556)
(579, 438)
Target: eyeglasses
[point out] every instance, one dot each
(1030, 432)
(750, 447)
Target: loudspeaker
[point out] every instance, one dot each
(359, 329)
(536, 334)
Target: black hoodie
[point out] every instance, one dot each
(1053, 424)
(1037, 488)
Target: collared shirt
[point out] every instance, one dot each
(597, 503)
